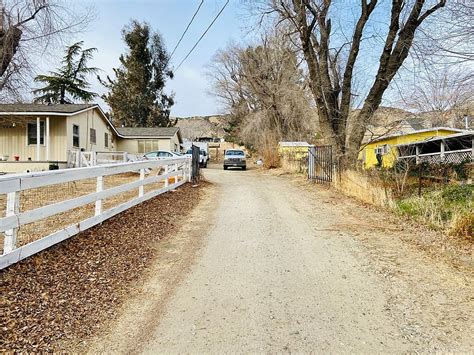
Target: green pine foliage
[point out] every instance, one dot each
(136, 97)
(69, 83)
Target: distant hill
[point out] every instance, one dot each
(203, 126)
(386, 120)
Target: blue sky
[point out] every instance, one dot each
(190, 84)
(170, 18)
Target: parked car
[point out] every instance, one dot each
(203, 157)
(160, 154)
(235, 158)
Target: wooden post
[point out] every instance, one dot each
(38, 138)
(141, 189)
(176, 171)
(417, 152)
(442, 151)
(188, 169)
(166, 172)
(99, 188)
(13, 208)
(47, 139)
(420, 176)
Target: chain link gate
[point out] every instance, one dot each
(320, 163)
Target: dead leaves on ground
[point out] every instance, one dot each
(64, 294)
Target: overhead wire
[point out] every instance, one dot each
(202, 36)
(186, 30)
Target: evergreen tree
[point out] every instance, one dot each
(69, 84)
(136, 96)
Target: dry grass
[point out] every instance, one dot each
(271, 157)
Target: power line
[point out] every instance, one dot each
(204, 33)
(186, 30)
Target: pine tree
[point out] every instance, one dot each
(69, 84)
(136, 96)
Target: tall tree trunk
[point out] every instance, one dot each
(9, 42)
(333, 98)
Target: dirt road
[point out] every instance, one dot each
(282, 269)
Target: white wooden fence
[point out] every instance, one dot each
(78, 159)
(12, 185)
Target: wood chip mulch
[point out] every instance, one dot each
(65, 293)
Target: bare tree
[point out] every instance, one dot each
(28, 27)
(448, 36)
(263, 88)
(444, 93)
(331, 67)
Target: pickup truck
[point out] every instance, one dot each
(235, 158)
(203, 157)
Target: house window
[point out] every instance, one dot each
(106, 140)
(148, 145)
(32, 134)
(75, 136)
(93, 137)
(384, 149)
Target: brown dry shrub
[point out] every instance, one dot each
(463, 226)
(271, 157)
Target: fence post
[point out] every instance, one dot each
(13, 208)
(141, 189)
(166, 173)
(176, 172)
(442, 151)
(99, 188)
(189, 170)
(420, 176)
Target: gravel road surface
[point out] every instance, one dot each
(275, 270)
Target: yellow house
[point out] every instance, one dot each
(37, 137)
(385, 146)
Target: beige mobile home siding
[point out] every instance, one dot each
(127, 145)
(13, 141)
(85, 121)
(143, 145)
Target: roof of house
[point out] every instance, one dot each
(416, 123)
(294, 144)
(43, 108)
(72, 109)
(129, 132)
(439, 138)
(457, 130)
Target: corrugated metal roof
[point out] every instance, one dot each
(294, 144)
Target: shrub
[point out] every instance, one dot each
(463, 226)
(447, 208)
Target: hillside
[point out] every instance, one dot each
(203, 126)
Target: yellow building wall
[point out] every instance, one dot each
(13, 141)
(87, 120)
(295, 152)
(368, 153)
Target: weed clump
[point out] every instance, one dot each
(448, 208)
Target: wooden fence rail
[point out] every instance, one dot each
(12, 185)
